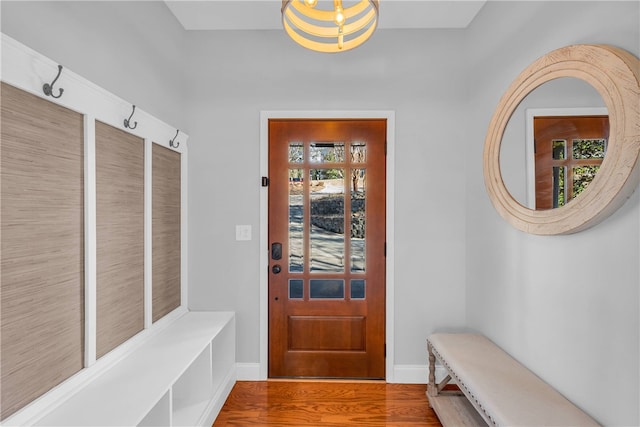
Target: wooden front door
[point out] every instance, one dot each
(327, 248)
(568, 153)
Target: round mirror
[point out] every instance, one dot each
(554, 143)
(614, 74)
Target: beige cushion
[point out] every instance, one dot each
(508, 393)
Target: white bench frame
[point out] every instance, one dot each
(179, 376)
(494, 388)
(453, 407)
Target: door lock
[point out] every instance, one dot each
(276, 269)
(276, 251)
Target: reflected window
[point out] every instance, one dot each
(568, 153)
(558, 186)
(582, 177)
(559, 149)
(589, 148)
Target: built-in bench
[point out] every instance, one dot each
(495, 389)
(179, 376)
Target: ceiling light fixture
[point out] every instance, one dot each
(330, 26)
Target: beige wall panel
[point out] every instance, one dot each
(120, 237)
(42, 258)
(166, 231)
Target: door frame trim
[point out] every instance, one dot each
(389, 115)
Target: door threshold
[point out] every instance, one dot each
(326, 380)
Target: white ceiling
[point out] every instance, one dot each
(265, 14)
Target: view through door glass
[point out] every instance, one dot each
(327, 242)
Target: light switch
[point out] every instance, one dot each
(243, 232)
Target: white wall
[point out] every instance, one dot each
(566, 306)
(214, 85)
(418, 74)
(132, 49)
(457, 262)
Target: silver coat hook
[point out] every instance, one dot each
(48, 88)
(127, 122)
(172, 142)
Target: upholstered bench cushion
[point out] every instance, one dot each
(508, 393)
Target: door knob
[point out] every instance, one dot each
(276, 269)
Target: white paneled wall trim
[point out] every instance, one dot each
(28, 70)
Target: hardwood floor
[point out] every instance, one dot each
(326, 403)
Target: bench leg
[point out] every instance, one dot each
(432, 387)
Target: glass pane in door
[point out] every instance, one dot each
(296, 290)
(358, 289)
(326, 289)
(296, 221)
(326, 152)
(296, 152)
(327, 220)
(358, 215)
(358, 152)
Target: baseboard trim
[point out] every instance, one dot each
(416, 374)
(248, 372)
(402, 374)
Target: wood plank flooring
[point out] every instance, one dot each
(326, 403)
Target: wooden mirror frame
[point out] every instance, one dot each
(615, 74)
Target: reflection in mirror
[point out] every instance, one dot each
(567, 153)
(615, 73)
(556, 165)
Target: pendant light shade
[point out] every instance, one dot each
(330, 26)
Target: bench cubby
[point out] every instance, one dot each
(180, 376)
